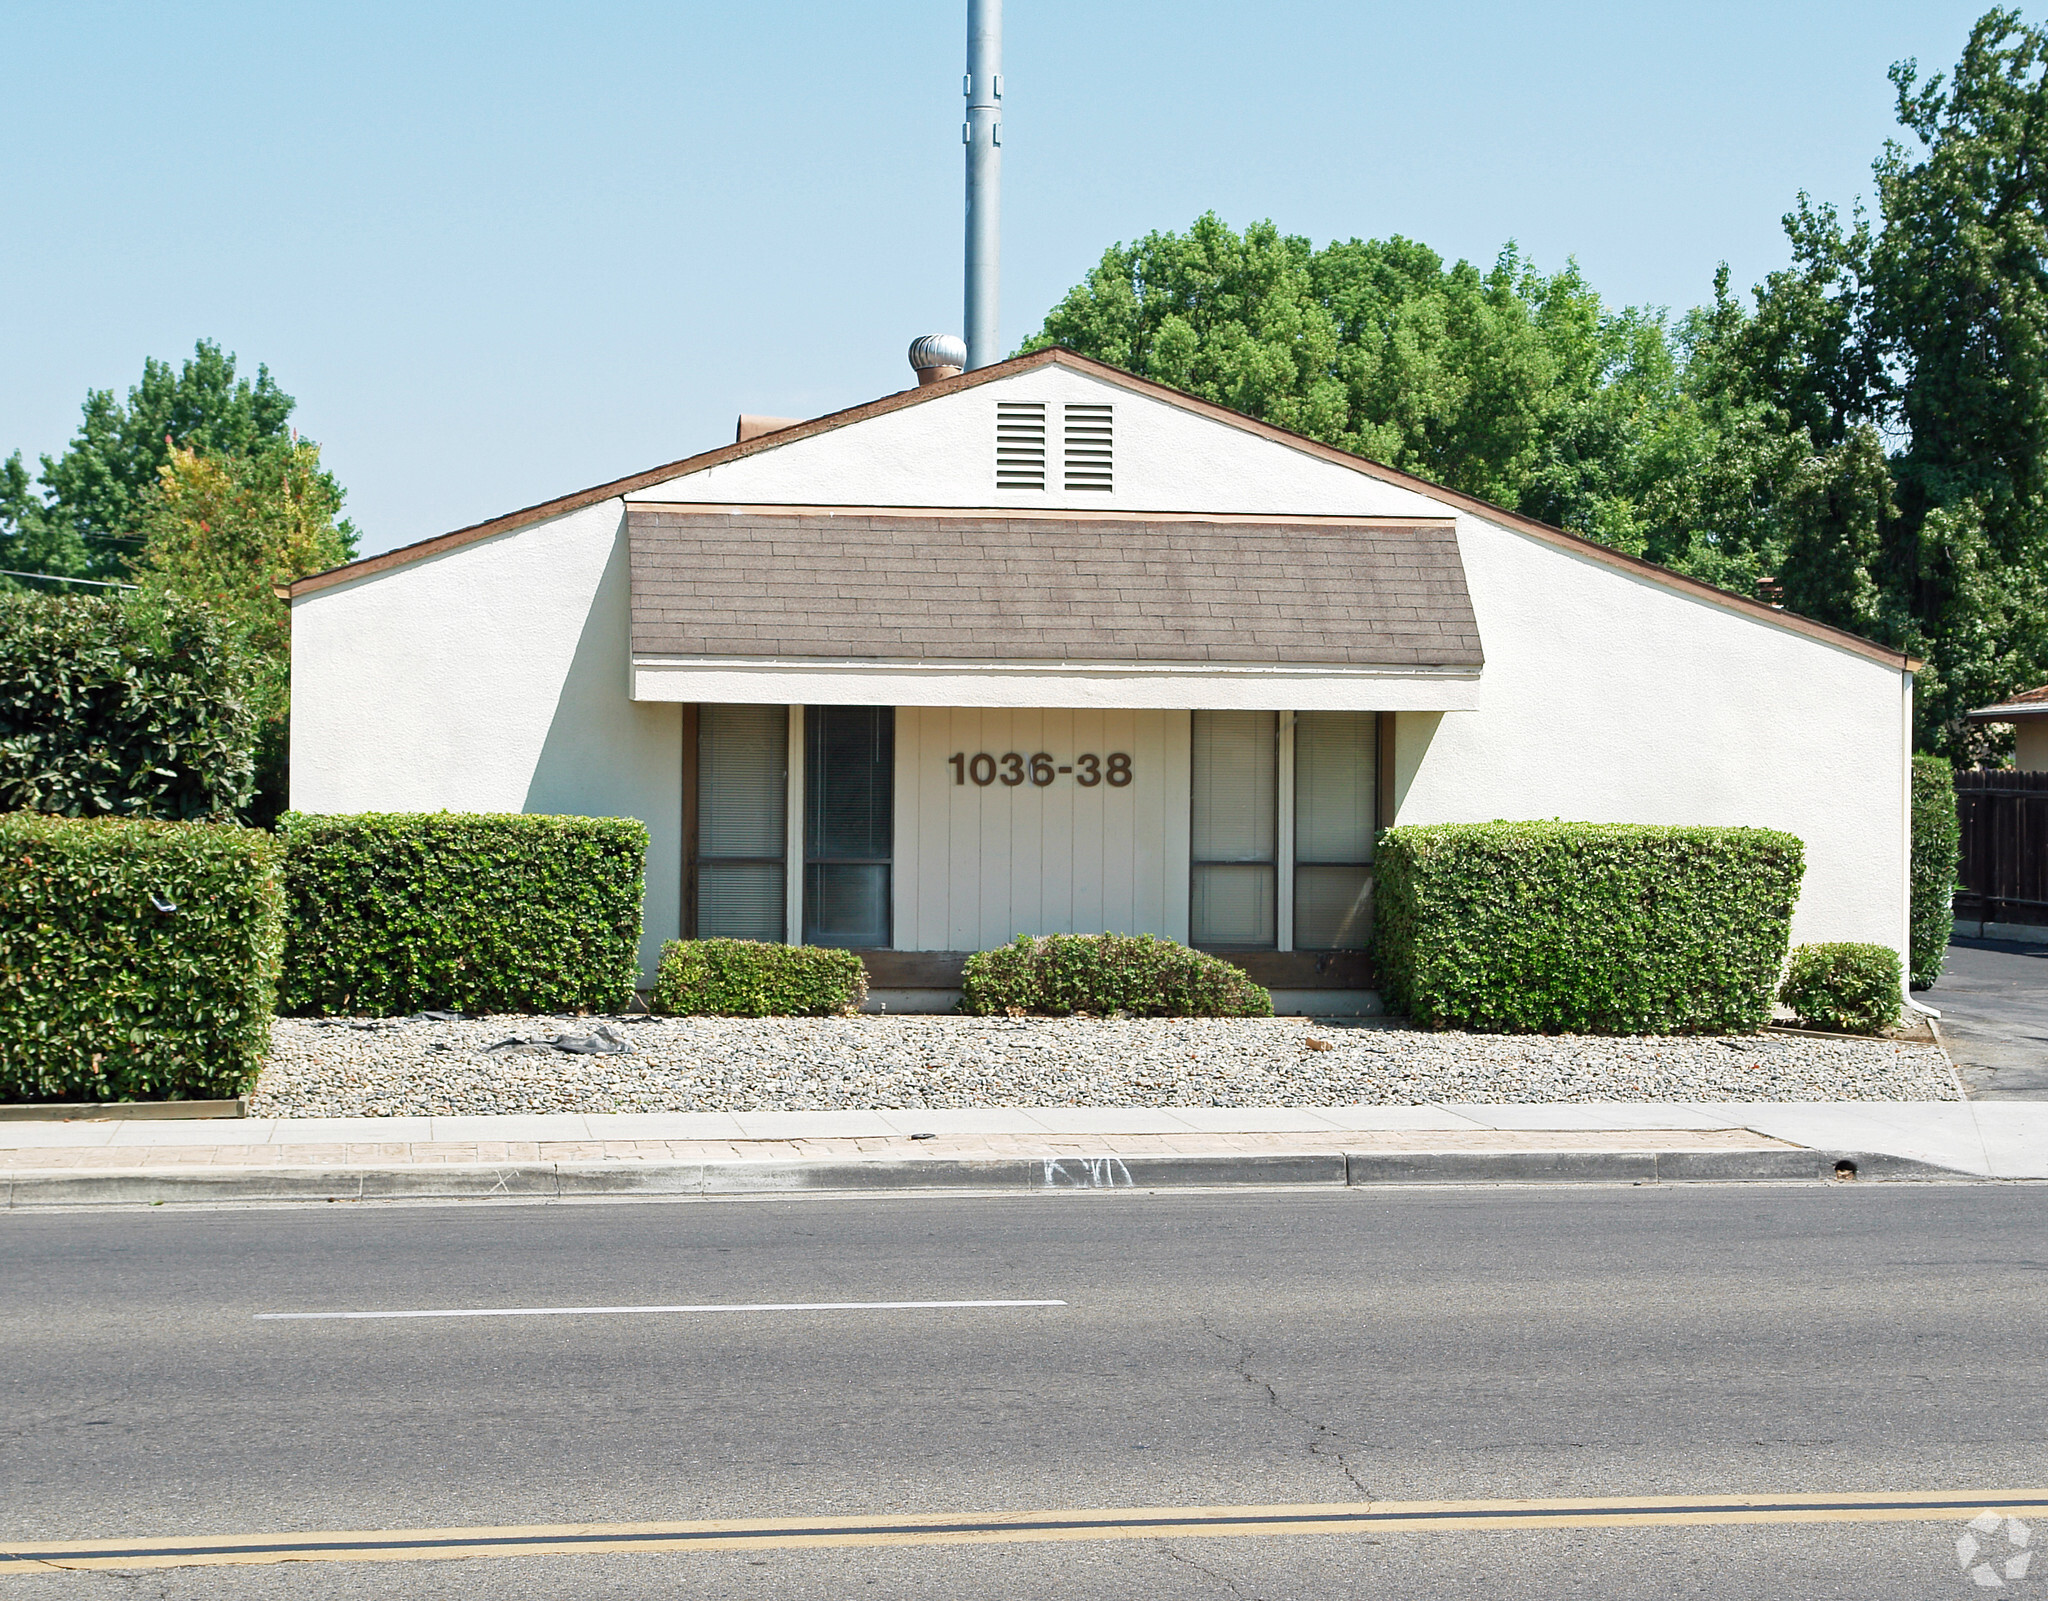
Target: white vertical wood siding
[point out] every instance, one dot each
(977, 865)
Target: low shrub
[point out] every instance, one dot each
(1604, 928)
(138, 960)
(745, 978)
(123, 709)
(1850, 988)
(394, 912)
(1104, 973)
(1937, 843)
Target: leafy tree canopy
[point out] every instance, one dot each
(226, 531)
(85, 521)
(1374, 346)
(1867, 434)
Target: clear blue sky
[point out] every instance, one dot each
(502, 252)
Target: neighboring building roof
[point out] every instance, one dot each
(2027, 705)
(1576, 543)
(959, 585)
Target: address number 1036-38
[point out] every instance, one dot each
(1013, 768)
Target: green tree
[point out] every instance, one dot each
(84, 521)
(1959, 307)
(31, 541)
(1883, 410)
(1371, 345)
(227, 531)
(1869, 433)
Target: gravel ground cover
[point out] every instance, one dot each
(400, 1067)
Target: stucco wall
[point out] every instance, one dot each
(976, 864)
(2030, 745)
(1610, 698)
(492, 679)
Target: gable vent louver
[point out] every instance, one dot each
(1020, 444)
(1090, 447)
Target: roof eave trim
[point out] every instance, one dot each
(1129, 685)
(1136, 665)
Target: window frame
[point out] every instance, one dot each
(1297, 861)
(1286, 863)
(813, 725)
(1197, 863)
(694, 857)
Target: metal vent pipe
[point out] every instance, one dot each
(983, 134)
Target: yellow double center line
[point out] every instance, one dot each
(995, 1528)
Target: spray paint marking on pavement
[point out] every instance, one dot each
(614, 1311)
(996, 1528)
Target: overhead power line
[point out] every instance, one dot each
(59, 578)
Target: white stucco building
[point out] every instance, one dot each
(1046, 647)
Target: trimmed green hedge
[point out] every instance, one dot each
(1848, 987)
(1937, 844)
(1104, 973)
(122, 708)
(138, 960)
(394, 912)
(745, 978)
(1584, 928)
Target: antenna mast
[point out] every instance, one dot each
(983, 135)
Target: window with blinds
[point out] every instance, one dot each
(1235, 834)
(742, 828)
(1090, 447)
(1335, 785)
(1020, 444)
(849, 824)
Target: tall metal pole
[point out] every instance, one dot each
(984, 136)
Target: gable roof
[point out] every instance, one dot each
(2028, 703)
(1577, 544)
(947, 586)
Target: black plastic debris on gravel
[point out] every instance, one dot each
(603, 1040)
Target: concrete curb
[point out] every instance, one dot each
(548, 1181)
(1638, 1167)
(129, 1111)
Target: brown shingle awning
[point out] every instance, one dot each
(803, 584)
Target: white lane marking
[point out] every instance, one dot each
(602, 1311)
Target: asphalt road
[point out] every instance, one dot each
(1214, 1349)
(1993, 999)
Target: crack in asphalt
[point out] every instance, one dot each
(1171, 1548)
(1321, 1434)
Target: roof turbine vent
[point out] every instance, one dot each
(937, 356)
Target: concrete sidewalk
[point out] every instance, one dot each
(113, 1161)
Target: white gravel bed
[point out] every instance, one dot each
(396, 1067)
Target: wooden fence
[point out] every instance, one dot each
(2004, 872)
